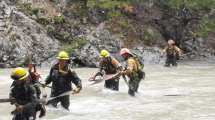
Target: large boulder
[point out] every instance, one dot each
(199, 48)
(22, 39)
(98, 39)
(149, 55)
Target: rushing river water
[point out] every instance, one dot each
(183, 93)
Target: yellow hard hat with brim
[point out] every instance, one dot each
(19, 73)
(104, 53)
(63, 55)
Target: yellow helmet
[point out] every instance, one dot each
(19, 73)
(104, 53)
(62, 55)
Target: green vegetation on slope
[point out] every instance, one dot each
(121, 17)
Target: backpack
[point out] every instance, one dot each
(140, 72)
(140, 62)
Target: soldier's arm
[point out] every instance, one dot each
(101, 68)
(76, 80)
(178, 50)
(100, 71)
(11, 96)
(164, 50)
(116, 64)
(49, 79)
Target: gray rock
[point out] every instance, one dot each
(197, 49)
(99, 39)
(150, 55)
(23, 39)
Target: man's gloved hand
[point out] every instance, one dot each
(123, 72)
(12, 100)
(92, 78)
(76, 91)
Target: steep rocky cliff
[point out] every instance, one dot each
(22, 39)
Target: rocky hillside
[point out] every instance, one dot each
(22, 39)
(37, 29)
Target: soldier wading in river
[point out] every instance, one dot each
(23, 96)
(133, 70)
(172, 52)
(62, 76)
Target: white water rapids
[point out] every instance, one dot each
(183, 93)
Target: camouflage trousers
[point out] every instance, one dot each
(133, 85)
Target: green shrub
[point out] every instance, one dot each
(27, 9)
(75, 44)
(106, 4)
(112, 14)
(148, 37)
(206, 27)
(111, 6)
(59, 19)
(190, 4)
(43, 20)
(35, 11)
(50, 30)
(66, 35)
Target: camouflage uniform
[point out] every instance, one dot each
(110, 66)
(171, 56)
(132, 72)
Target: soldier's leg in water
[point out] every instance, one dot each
(140, 78)
(171, 60)
(108, 84)
(55, 101)
(174, 61)
(137, 84)
(167, 64)
(131, 90)
(18, 117)
(116, 84)
(29, 115)
(65, 101)
(33, 117)
(41, 108)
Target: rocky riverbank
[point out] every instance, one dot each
(32, 30)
